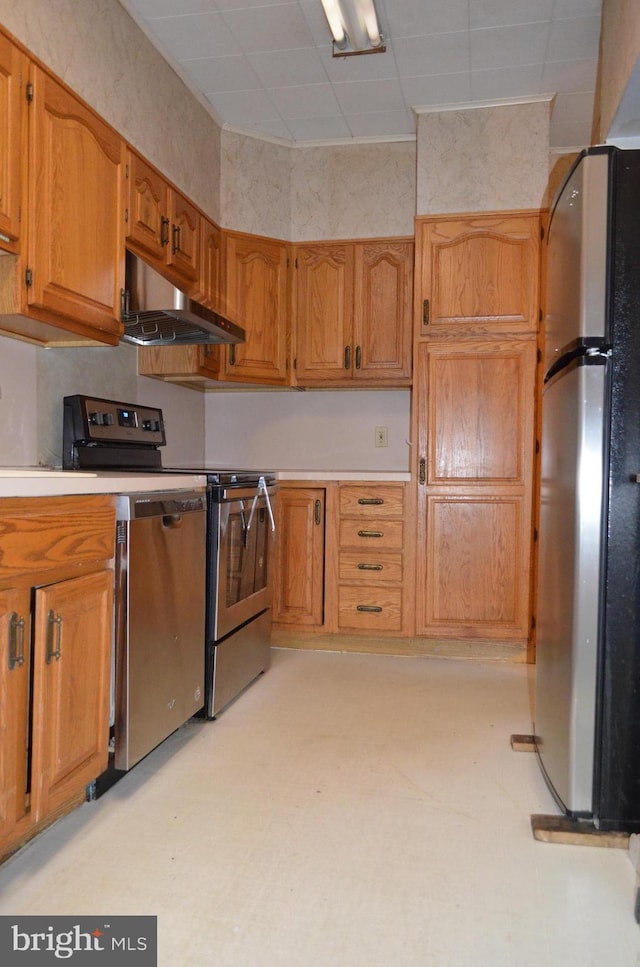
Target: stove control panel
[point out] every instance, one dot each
(91, 420)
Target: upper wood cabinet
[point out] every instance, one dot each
(478, 274)
(257, 296)
(352, 307)
(13, 69)
(163, 226)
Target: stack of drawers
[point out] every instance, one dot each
(370, 557)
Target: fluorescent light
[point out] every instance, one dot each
(354, 26)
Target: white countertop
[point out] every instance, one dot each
(373, 476)
(42, 482)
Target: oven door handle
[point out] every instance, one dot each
(262, 491)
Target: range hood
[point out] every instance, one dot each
(156, 313)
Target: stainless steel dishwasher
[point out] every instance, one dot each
(160, 618)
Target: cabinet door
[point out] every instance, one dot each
(299, 579)
(478, 274)
(147, 219)
(257, 297)
(71, 688)
(382, 315)
(324, 313)
(14, 708)
(183, 251)
(12, 65)
(475, 411)
(76, 212)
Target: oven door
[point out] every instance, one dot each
(243, 532)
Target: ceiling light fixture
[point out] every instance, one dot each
(355, 28)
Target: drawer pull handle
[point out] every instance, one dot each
(370, 534)
(369, 501)
(370, 567)
(53, 651)
(317, 512)
(370, 608)
(347, 357)
(16, 641)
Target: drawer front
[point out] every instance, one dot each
(370, 609)
(370, 568)
(374, 534)
(381, 501)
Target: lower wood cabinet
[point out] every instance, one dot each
(298, 588)
(56, 603)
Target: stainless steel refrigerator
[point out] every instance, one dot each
(587, 697)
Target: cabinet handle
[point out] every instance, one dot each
(175, 245)
(16, 641)
(54, 630)
(164, 231)
(370, 534)
(370, 567)
(232, 355)
(371, 608)
(317, 512)
(358, 357)
(347, 357)
(425, 312)
(422, 474)
(368, 501)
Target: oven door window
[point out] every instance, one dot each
(247, 549)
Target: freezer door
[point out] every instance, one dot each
(577, 259)
(569, 578)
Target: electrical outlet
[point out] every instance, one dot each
(381, 436)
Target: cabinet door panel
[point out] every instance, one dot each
(183, 250)
(15, 669)
(477, 409)
(473, 572)
(11, 105)
(323, 307)
(76, 211)
(257, 299)
(299, 582)
(382, 324)
(479, 274)
(71, 690)
(147, 224)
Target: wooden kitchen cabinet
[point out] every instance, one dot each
(353, 307)
(370, 558)
(478, 274)
(475, 411)
(13, 71)
(257, 297)
(163, 227)
(298, 592)
(56, 600)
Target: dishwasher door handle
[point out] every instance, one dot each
(172, 520)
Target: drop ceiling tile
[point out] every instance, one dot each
(497, 13)
(243, 4)
(506, 82)
(240, 107)
(572, 75)
(366, 67)
(319, 129)
(408, 18)
(173, 8)
(363, 97)
(276, 128)
(302, 66)
(577, 8)
(437, 89)
(382, 124)
(510, 46)
(574, 39)
(437, 54)
(278, 27)
(305, 101)
(213, 74)
(196, 35)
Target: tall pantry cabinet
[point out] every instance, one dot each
(475, 359)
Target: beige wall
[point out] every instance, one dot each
(95, 47)
(619, 66)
